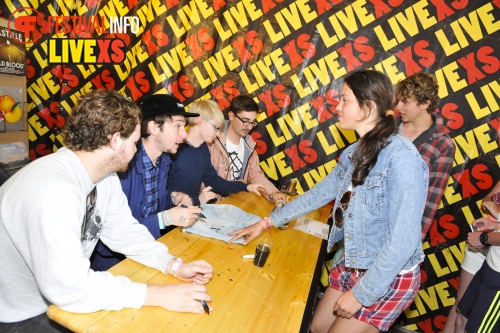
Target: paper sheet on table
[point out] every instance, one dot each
(312, 227)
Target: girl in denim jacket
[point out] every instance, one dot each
(380, 187)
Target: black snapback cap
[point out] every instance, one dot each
(162, 104)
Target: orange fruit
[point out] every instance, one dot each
(6, 103)
(14, 116)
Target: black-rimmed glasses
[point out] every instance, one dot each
(344, 203)
(252, 123)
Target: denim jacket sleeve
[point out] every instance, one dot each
(404, 205)
(318, 196)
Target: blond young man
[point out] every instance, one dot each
(192, 169)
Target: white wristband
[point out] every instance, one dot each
(175, 266)
(163, 219)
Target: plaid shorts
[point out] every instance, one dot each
(480, 303)
(387, 309)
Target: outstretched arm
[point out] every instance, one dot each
(251, 232)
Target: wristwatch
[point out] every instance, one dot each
(483, 238)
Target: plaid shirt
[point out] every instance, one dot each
(151, 176)
(438, 150)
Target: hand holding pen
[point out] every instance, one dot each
(184, 297)
(183, 216)
(199, 214)
(205, 306)
(202, 271)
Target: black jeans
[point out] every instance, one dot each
(38, 324)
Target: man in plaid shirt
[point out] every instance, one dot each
(416, 99)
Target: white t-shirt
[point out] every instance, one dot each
(235, 153)
(42, 208)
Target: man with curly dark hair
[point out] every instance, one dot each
(416, 100)
(419, 121)
(53, 212)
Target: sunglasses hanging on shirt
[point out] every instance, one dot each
(344, 203)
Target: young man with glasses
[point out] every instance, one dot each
(191, 166)
(145, 180)
(54, 210)
(233, 151)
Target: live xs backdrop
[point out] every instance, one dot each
(291, 57)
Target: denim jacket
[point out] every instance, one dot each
(220, 220)
(382, 223)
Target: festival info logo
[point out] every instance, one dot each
(71, 36)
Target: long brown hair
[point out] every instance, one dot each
(374, 92)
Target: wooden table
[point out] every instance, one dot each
(245, 298)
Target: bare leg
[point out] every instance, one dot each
(323, 315)
(449, 326)
(455, 322)
(343, 325)
(325, 320)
